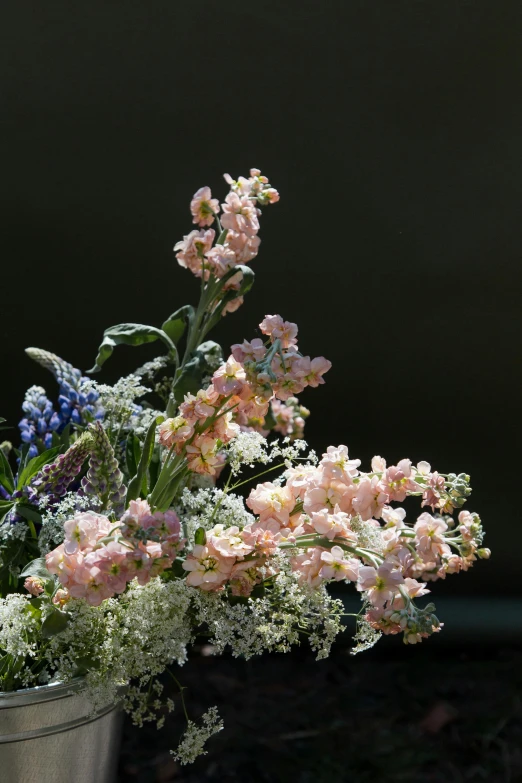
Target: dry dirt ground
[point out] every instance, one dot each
(425, 714)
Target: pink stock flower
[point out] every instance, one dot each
(229, 542)
(190, 251)
(176, 430)
(393, 517)
(380, 584)
(240, 215)
(429, 533)
(333, 525)
(432, 493)
(245, 248)
(229, 378)
(335, 464)
(204, 207)
(244, 577)
(271, 502)
(309, 566)
(221, 259)
(312, 371)
(369, 498)
(34, 586)
(84, 530)
(337, 566)
(202, 456)
(208, 569)
(247, 351)
(397, 480)
(285, 331)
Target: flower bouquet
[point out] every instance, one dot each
(132, 522)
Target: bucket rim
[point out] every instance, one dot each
(40, 693)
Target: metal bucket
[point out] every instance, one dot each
(49, 735)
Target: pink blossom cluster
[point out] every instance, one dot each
(318, 513)
(99, 558)
(240, 395)
(240, 219)
(288, 419)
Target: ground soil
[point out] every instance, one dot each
(396, 714)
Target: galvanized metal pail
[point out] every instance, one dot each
(49, 735)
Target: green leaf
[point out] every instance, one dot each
(129, 334)
(54, 623)
(29, 512)
(2, 427)
(246, 284)
(270, 421)
(132, 453)
(37, 568)
(200, 537)
(6, 474)
(35, 465)
(176, 323)
(190, 379)
(136, 483)
(5, 508)
(222, 237)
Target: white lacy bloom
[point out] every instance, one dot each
(149, 369)
(133, 637)
(208, 507)
(19, 628)
(11, 531)
(369, 536)
(118, 401)
(272, 623)
(193, 742)
(141, 420)
(247, 449)
(366, 636)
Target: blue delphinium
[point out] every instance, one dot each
(40, 420)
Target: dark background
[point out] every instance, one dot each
(392, 129)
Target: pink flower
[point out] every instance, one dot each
(393, 517)
(285, 331)
(309, 566)
(244, 577)
(229, 542)
(333, 525)
(369, 498)
(203, 207)
(322, 497)
(312, 371)
(208, 569)
(245, 248)
(201, 456)
(337, 566)
(84, 530)
(335, 464)
(176, 430)
(397, 480)
(270, 501)
(229, 378)
(429, 533)
(221, 259)
(300, 478)
(240, 215)
(249, 351)
(381, 584)
(190, 251)
(33, 585)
